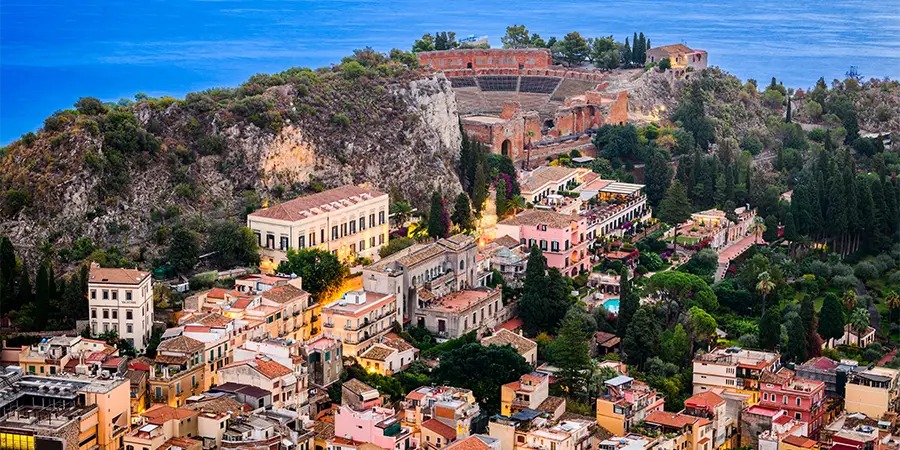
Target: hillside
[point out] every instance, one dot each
(123, 175)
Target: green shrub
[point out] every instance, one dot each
(340, 119)
(15, 200)
(211, 145)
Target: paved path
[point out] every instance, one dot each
(732, 251)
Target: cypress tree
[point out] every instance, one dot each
(796, 345)
(831, 318)
(480, 187)
(880, 221)
(808, 317)
(629, 303)
(643, 47)
(642, 338)
(438, 219)
(535, 291)
(790, 228)
(466, 161)
(626, 55)
(635, 49)
(23, 289)
(7, 259)
(500, 198)
(462, 212)
(770, 329)
(892, 209)
(42, 292)
(771, 233)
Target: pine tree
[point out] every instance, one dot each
(438, 219)
(500, 197)
(462, 212)
(658, 177)
(675, 207)
(770, 329)
(831, 318)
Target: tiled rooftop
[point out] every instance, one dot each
(320, 203)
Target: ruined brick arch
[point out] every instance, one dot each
(548, 124)
(505, 148)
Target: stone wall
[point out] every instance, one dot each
(476, 58)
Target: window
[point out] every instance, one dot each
(322, 235)
(312, 239)
(129, 328)
(544, 245)
(105, 294)
(343, 229)
(115, 314)
(554, 246)
(362, 245)
(128, 315)
(380, 217)
(301, 242)
(442, 325)
(93, 314)
(115, 295)
(334, 232)
(93, 294)
(380, 239)
(362, 223)
(372, 241)
(283, 243)
(128, 295)
(797, 416)
(106, 314)
(798, 401)
(352, 227)
(784, 400)
(371, 220)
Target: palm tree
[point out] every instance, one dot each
(859, 322)
(401, 211)
(758, 227)
(515, 204)
(765, 286)
(892, 300)
(849, 299)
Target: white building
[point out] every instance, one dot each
(121, 300)
(349, 221)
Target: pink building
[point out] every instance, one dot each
(377, 425)
(562, 237)
(803, 400)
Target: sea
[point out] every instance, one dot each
(54, 51)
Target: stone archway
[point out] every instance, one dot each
(505, 148)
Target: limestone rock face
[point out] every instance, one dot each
(404, 139)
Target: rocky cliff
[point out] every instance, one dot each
(124, 175)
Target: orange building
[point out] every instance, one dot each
(477, 58)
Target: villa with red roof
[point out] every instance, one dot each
(804, 400)
(460, 312)
(121, 300)
(266, 374)
(349, 221)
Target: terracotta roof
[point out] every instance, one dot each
(602, 336)
(535, 217)
(550, 404)
(241, 303)
(675, 49)
(181, 344)
(308, 206)
(284, 293)
(266, 367)
(512, 324)
(783, 376)
(782, 419)
(800, 441)
(221, 405)
(469, 443)
(821, 362)
(505, 337)
(214, 320)
(507, 241)
(323, 430)
(135, 377)
(161, 414)
(180, 443)
(117, 276)
(440, 428)
(112, 362)
(378, 352)
(167, 359)
(357, 387)
(546, 174)
(398, 344)
(670, 420)
(706, 400)
(415, 395)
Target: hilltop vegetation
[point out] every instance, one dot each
(128, 174)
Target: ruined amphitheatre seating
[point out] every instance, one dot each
(539, 85)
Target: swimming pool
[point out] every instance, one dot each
(612, 305)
